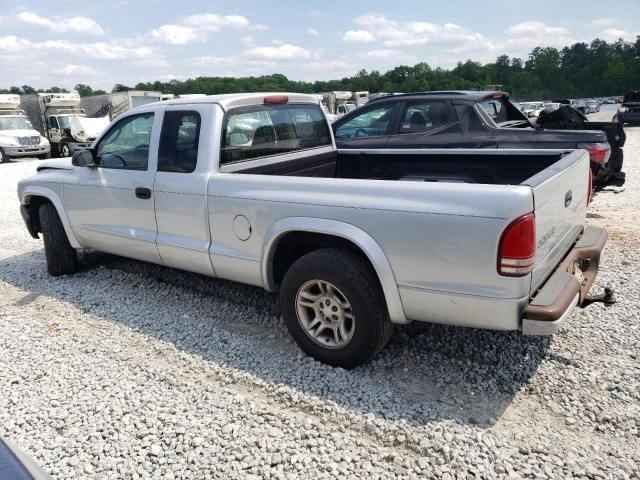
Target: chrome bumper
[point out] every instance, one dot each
(26, 150)
(567, 287)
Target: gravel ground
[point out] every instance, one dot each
(130, 370)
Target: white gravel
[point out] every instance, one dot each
(129, 370)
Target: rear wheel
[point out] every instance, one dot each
(334, 308)
(61, 256)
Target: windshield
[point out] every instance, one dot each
(15, 123)
(63, 121)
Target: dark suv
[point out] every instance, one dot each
(474, 119)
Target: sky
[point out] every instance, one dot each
(66, 42)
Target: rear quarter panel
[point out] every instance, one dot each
(438, 237)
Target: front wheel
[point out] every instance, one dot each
(65, 150)
(61, 256)
(334, 307)
(3, 157)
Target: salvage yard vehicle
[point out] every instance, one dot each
(629, 111)
(66, 125)
(354, 240)
(476, 119)
(18, 138)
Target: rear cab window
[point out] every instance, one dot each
(501, 110)
(258, 131)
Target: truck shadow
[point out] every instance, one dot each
(426, 373)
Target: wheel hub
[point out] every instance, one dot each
(325, 314)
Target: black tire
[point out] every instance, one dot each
(65, 150)
(3, 157)
(355, 278)
(62, 258)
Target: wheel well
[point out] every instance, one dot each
(295, 245)
(33, 206)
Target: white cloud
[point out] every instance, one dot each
(195, 28)
(536, 29)
(74, 70)
(603, 22)
(213, 22)
(313, 32)
(286, 52)
(390, 33)
(613, 34)
(176, 34)
(247, 41)
(83, 25)
(359, 36)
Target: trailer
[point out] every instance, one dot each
(115, 104)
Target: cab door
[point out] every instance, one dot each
(180, 189)
(111, 206)
(54, 130)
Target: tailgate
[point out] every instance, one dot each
(560, 203)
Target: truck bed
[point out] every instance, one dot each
(495, 167)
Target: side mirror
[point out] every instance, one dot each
(83, 158)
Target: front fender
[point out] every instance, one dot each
(29, 191)
(339, 229)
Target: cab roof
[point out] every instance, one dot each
(232, 100)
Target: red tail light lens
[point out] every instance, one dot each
(276, 99)
(517, 249)
(598, 152)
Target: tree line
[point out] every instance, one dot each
(599, 68)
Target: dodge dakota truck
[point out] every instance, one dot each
(251, 188)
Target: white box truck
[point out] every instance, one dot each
(66, 124)
(18, 138)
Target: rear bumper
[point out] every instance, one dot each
(567, 287)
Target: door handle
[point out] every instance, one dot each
(143, 193)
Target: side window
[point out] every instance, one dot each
(179, 142)
(265, 130)
(53, 122)
(126, 145)
(419, 117)
(469, 119)
(372, 123)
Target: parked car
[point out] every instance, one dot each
(629, 111)
(475, 119)
(592, 106)
(531, 109)
(353, 240)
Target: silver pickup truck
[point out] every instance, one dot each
(250, 187)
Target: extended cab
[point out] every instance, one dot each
(251, 188)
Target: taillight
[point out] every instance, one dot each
(276, 99)
(517, 248)
(590, 187)
(598, 152)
